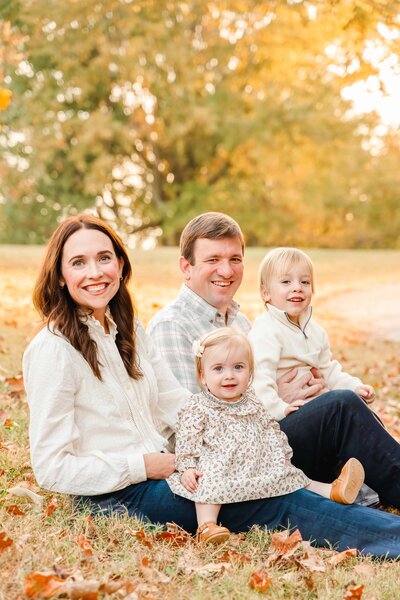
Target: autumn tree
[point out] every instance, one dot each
(155, 111)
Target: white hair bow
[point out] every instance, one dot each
(197, 348)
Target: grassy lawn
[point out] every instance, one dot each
(121, 558)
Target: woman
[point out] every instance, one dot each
(103, 406)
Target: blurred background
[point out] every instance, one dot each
(284, 114)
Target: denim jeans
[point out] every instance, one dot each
(319, 520)
(330, 429)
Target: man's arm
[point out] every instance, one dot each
(175, 344)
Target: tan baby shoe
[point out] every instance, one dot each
(346, 487)
(211, 533)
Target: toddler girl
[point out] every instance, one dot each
(286, 337)
(229, 449)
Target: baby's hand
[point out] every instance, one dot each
(366, 392)
(189, 479)
(294, 406)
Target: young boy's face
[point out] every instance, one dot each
(291, 291)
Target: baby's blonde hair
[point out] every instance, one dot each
(222, 336)
(279, 261)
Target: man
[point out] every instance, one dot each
(323, 433)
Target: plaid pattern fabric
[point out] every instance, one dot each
(187, 318)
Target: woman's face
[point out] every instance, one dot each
(91, 270)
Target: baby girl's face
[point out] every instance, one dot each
(226, 371)
(291, 291)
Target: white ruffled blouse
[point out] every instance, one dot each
(87, 436)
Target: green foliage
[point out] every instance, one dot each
(154, 111)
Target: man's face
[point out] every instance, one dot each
(217, 271)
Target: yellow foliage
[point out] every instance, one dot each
(5, 98)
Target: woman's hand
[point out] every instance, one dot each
(189, 479)
(159, 465)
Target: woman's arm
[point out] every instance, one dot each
(51, 379)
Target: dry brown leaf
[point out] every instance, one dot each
(175, 538)
(143, 538)
(341, 556)
(8, 423)
(354, 593)
(5, 541)
(309, 559)
(285, 543)
(43, 585)
(85, 545)
(14, 510)
(51, 507)
(234, 556)
(259, 580)
(15, 386)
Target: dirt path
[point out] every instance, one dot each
(375, 309)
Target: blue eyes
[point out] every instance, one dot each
(219, 369)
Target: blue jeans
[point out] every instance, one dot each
(319, 520)
(330, 429)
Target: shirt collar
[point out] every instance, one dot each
(96, 327)
(206, 310)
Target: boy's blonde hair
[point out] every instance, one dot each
(279, 261)
(223, 336)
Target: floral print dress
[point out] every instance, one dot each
(237, 446)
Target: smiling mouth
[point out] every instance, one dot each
(222, 283)
(296, 300)
(99, 287)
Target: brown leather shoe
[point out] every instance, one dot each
(346, 487)
(211, 533)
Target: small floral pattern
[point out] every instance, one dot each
(239, 449)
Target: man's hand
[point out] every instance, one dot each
(366, 392)
(189, 479)
(159, 465)
(306, 387)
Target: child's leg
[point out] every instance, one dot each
(208, 530)
(207, 513)
(346, 487)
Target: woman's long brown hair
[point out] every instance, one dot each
(57, 307)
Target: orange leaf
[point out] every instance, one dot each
(43, 585)
(354, 593)
(5, 541)
(85, 545)
(176, 538)
(259, 580)
(8, 423)
(234, 556)
(143, 538)
(13, 509)
(15, 386)
(284, 543)
(341, 556)
(51, 507)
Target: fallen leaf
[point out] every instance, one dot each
(151, 574)
(51, 507)
(5, 541)
(354, 593)
(8, 423)
(234, 556)
(143, 538)
(14, 510)
(43, 585)
(341, 556)
(15, 386)
(259, 580)
(285, 543)
(85, 545)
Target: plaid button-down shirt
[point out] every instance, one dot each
(187, 318)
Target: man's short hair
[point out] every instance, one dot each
(209, 226)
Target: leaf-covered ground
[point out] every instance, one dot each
(48, 550)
